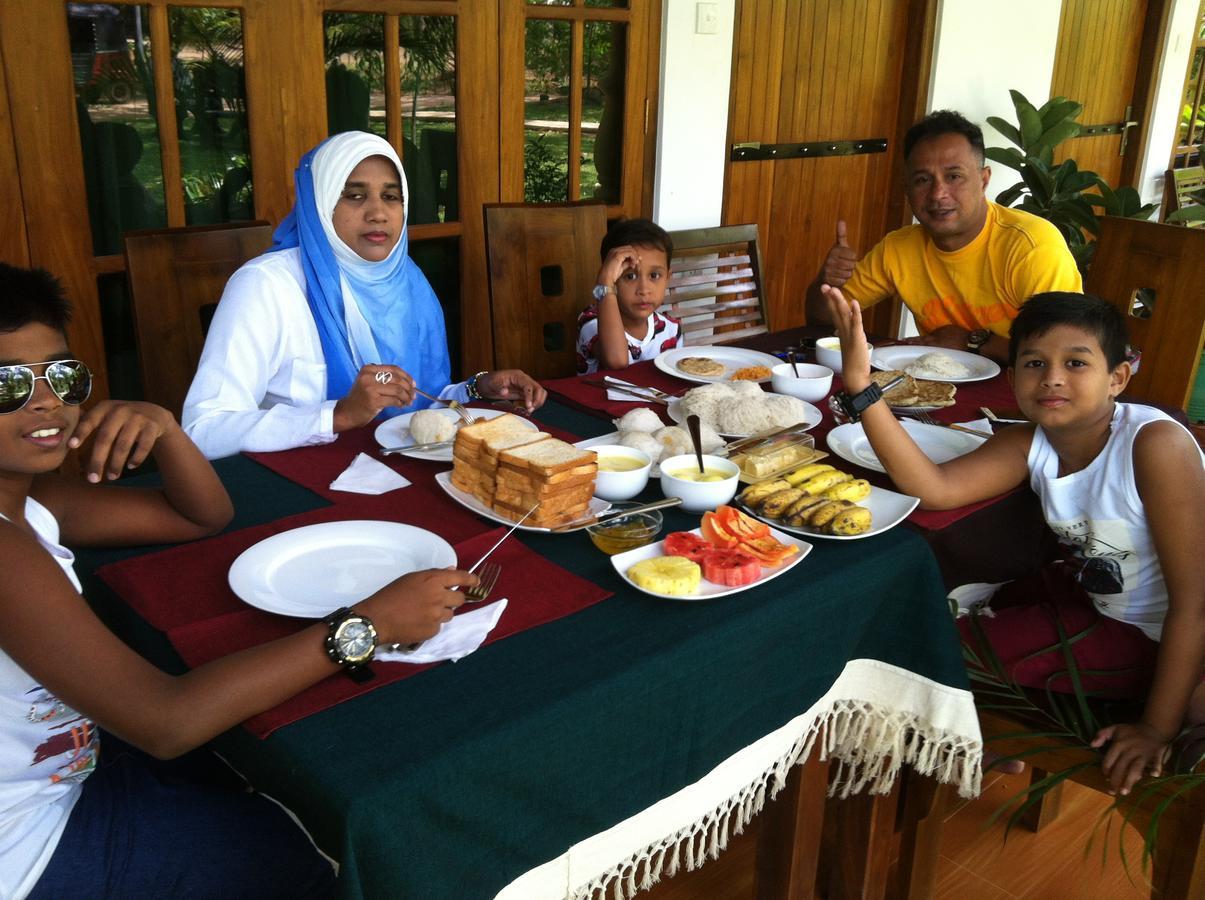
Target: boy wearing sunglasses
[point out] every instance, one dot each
(69, 814)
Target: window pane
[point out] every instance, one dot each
(119, 135)
(211, 114)
(546, 112)
(623, 4)
(428, 66)
(549, 2)
(355, 72)
(603, 69)
(439, 260)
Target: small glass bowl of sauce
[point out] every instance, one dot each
(625, 532)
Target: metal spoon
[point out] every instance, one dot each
(692, 425)
(791, 360)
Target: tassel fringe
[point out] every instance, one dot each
(867, 745)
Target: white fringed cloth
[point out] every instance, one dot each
(873, 720)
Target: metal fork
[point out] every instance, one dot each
(487, 580)
(926, 419)
(455, 405)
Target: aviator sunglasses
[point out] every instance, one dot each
(70, 380)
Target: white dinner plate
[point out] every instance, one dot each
(314, 570)
(468, 501)
(811, 417)
(902, 356)
(708, 590)
(731, 358)
(395, 432)
(940, 444)
(887, 509)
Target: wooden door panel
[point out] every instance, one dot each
(811, 73)
(1099, 38)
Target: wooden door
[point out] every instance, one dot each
(1118, 39)
(808, 78)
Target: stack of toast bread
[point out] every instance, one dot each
(510, 468)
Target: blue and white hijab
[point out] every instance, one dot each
(366, 312)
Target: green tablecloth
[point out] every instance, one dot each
(456, 781)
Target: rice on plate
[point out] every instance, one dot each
(940, 365)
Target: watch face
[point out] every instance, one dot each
(356, 640)
(600, 291)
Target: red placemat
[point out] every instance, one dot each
(592, 398)
(184, 593)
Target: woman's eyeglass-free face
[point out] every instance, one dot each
(70, 380)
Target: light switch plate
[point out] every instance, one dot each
(707, 18)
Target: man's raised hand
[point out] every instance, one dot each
(841, 259)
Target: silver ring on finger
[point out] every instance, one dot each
(383, 377)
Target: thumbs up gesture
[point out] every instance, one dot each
(841, 259)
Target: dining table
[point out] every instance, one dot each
(601, 738)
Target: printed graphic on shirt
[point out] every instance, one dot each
(939, 311)
(588, 343)
(1094, 552)
(71, 736)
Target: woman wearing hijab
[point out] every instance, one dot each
(336, 324)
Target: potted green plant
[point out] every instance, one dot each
(1064, 194)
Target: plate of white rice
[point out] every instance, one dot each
(740, 409)
(935, 363)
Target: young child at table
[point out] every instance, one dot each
(1122, 486)
(623, 326)
(71, 817)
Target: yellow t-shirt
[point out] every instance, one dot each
(982, 285)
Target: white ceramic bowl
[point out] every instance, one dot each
(828, 352)
(621, 485)
(812, 384)
(699, 496)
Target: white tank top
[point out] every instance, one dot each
(1101, 524)
(46, 750)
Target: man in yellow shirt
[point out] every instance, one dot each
(965, 270)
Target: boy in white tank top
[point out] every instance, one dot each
(1123, 488)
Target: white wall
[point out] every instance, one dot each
(1165, 114)
(979, 55)
(692, 129)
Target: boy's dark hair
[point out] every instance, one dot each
(1097, 317)
(638, 233)
(944, 121)
(32, 295)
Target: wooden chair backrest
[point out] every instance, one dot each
(543, 262)
(176, 278)
(715, 286)
(1179, 185)
(1133, 255)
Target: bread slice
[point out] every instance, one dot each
(470, 438)
(548, 457)
(519, 498)
(548, 514)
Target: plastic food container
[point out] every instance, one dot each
(779, 455)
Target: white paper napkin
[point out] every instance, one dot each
(366, 475)
(456, 639)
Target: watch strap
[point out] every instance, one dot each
(853, 406)
(601, 290)
(977, 338)
(471, 387)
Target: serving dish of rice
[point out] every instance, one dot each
(935, 363)
(742, 408)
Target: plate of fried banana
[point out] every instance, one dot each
(819, 500)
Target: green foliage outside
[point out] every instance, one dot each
(1064, 194)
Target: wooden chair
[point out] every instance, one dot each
(1154, 273)
(1178, 857)
(715, 287)
(1181, 187)
(543, 261)
(176, 278)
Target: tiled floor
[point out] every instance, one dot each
(1075, 858)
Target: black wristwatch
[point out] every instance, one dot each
(853, 407)
(351, 642)
(977, 338)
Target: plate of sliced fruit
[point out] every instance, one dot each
(730, 552)
(819, 500)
